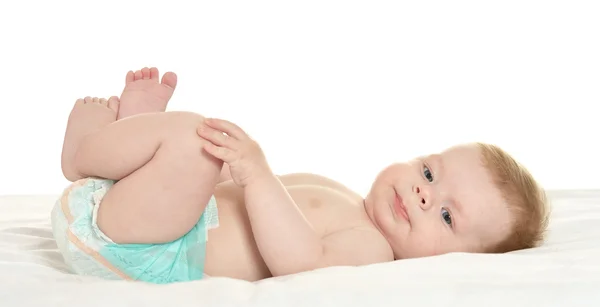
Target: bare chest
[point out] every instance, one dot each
(232, 250)
(327, 209)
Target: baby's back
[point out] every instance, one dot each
(231, 249)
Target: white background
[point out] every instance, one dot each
(340, 88)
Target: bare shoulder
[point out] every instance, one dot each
(356, 246)
(315, 179)
(310, 179)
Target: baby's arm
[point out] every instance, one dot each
(289, 244)
(285, 239)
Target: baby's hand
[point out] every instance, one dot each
(228, 142)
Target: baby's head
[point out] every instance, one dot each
(469, 198)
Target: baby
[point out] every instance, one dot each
(167, 197)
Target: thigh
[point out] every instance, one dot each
(162, 200)
(117, 150)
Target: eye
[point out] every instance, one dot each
(446, 217)
(427, 173)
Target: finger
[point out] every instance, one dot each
(227, 127)
(214, 136)
(222, 153)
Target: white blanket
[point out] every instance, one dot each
(564, 272)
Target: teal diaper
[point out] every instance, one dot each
(88, 251)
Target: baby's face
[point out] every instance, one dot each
(438, 204)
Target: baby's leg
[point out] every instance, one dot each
(142, 94)
(164, 178)
(88, 115)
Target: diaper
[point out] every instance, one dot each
(88, 251)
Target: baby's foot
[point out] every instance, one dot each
(87, 116)
(143, 93)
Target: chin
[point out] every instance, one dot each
(392, 231)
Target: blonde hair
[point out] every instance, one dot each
(525, 198)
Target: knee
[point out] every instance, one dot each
(182, 141)
(180, 130)
(181, 123)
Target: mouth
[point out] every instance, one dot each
(399, 207)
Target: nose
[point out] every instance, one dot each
(424, 195)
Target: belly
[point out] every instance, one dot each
(231, 250)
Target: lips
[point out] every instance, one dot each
(399, 208)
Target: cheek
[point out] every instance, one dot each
(424, 241)
(398, 172)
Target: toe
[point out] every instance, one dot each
(95, 100)
(138, 75)
(170, 79)
(103, 102)
(113, 103)
(130, 77)
(87, 99)
(146, 73)
(154, 73)
(80, 101)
